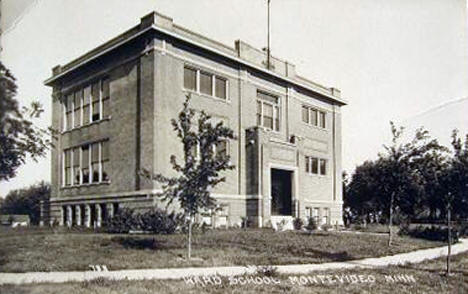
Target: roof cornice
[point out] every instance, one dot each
(96, 53)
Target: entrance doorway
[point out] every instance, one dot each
(281, 192)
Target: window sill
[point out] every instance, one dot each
(227, 101)
(269, 130)
(87, 125)
(85, 185)
(315, 127)
(317, 176)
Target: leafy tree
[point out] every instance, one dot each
(198, 173)
(360, 196)
(455, 183)
(402, 184)
(27, 201)
(458, 176)
(434, 168)
(395, 183)
(18, 136)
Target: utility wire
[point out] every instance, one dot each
(436, 108)
(26, 11)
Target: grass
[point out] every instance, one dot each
(428, 278)
(374, 228)
(27, 250)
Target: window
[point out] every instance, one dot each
(221, 149)
(105, 98)
(95, 166)
(322, 119)
(268, 111)
(105, 161)
(313, 116)
(85, 105)
(308, 212)
(323, 167)
(77, 109)
(85, 164)
(314, 165)
(205, 83)
(67, 168)
(190, 78)
(314, 162)
(221, 88)
(95, 105)
(325, 216)
(315, 214)
(69, 111)
(76, 166)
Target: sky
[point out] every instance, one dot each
(393, 60)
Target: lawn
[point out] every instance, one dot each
(427, 277)
(44, 250)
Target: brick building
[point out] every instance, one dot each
(113, 106)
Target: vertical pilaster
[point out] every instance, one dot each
(41, 219)
(98, 215)
(78, 215)
(62, 216)
(87, 221)
(69, 216)
(110, 209)
(213, 219)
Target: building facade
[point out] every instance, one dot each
(113, 108)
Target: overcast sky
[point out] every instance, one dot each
(400, 60)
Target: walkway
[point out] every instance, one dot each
(179, 273)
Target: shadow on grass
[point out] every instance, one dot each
(3, 257)
(331, 256)
(139, 243)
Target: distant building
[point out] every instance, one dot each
(14, 220)
(114, 104)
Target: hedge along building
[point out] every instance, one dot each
(114, 104)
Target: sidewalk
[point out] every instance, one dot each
(179, 273)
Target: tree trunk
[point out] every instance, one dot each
(390, 221)
(190, 237)
(449, 238)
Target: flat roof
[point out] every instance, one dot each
(157, 22)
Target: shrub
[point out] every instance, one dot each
(156, 221)
(311, 225)
(121, 223)
(298, 223)
(245, 222)
(433, 233)
(462, 229)
(326, 227)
